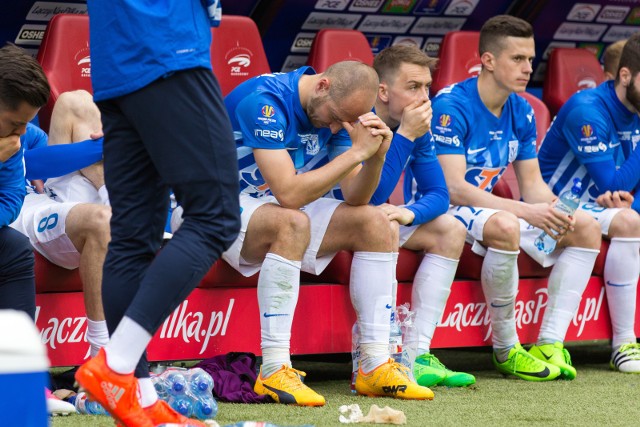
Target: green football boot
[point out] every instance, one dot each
(525, 366)
(557, 355)
(429, 371)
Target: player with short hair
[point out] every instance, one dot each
(67, 221)
(594, 137)
(285, 120)
(611, 59)
(480, 125)
(403, 104)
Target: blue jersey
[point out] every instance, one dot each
(266, 113)
(463, 125)
(425, 189)
(592, 127)
(133, 43)
(12, 181)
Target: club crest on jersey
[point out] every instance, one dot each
(267, 114)
(310, 141)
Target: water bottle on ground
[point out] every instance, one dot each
(395, 337)
(187, 391)
(85, 406)
(567, 203)
(355, 355)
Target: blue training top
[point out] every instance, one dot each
(12, 177)
(266, 113)
(133, 43)
(462, 124)
(425, 189)
(594, 137)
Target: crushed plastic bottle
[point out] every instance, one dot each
(85, 406)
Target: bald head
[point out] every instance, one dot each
(350, 77)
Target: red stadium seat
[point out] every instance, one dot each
(64, 56)
(569, 70)
(333, 45)
(459, 59)
(237, 53)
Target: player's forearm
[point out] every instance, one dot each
(359, 189)
(465, 194)
(304, 188)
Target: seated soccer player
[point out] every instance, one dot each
(595, 137)
(68, 222)
(287, 226)
(403, 104)
(480, 125)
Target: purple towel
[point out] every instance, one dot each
(234, 375)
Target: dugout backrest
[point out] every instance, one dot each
(458, 59)
(237, 53)
(64, 56)
(333, 45)
(568, 71)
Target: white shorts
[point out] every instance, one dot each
(406, 231)
(475, 218)
(319, 213)
(43, 221)
(604, 216)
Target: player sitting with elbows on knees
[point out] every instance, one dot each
(403, 104)
(595, 137)
(480, 125)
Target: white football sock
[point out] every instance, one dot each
(431, 288)
(621, 270)
(97, 335)
(370, 291)
(148, 393)
(499, 279)
(278, 288)
(126, 346)
(567, 282)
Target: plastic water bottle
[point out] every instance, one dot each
(187, 391)
(567, 204)
(355, 355)
(85, 406)
(205, 408)
(200, 382)
(176, 383)
(395, 337)
(201, 386)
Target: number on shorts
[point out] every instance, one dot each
(48, 223)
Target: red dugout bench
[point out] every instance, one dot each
(222, 315)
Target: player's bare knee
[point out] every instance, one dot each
(455, 233)
(588, 232)
(97, 225)
(293, 224)
(373, 222)
(625, 223)
(502, 231)
(394, 227)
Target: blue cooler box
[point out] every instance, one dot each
(23, 372)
